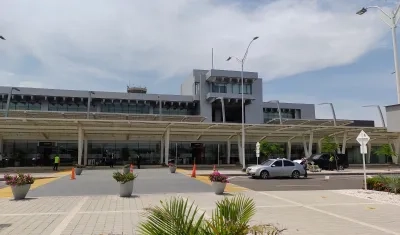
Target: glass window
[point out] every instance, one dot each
(288, 163)
(218, 87)
(278, 163)
(196, 88)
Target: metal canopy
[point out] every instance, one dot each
(317, 122)
(101, 115)
(126, 130)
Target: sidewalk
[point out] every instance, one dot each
(35, 175)
(343, 172)
(327, 212)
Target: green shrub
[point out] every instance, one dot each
(123, 178)
(384, 183)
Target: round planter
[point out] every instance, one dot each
(126, 170)
(218, 187)
(78, 171)
(20, 191)
(125, 190)
(172, 169)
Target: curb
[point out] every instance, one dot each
(330, 174)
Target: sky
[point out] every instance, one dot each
(308, 51)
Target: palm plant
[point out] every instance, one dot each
(177, 217)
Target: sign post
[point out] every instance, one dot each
(257, 151)
(363, 139)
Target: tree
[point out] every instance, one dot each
(386, 151)
(268, 149)
(177, 216)
(330, 146)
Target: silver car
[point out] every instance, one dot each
(276, 168)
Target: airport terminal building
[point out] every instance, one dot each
(202, 123)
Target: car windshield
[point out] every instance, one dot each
(267, 162)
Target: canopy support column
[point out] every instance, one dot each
(85, 152)
(162, 151)
(289, 150)
(80, 144)
(166, 146)
(239, 150)
(228, 151)
(344, 143)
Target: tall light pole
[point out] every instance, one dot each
(9, 99)
(241, 61)
(390, 19)
(279, 109)
(333, 112)
(380, 113)
(88, 103)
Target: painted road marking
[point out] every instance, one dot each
(61, 227)
(7, 192)
(311, 185)
(330, 213)
(231, 188)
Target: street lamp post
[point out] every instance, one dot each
(88, 103)
(241, 61)
(9, 99)
(380, 113)
(279, 109)
(333, 112)
(390, 19)
(2, 38)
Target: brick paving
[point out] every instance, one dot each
(300, 212)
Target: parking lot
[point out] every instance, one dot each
(315, 182)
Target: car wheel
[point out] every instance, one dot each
(295, 174)
(264, 175)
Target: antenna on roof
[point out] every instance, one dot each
(212, 58)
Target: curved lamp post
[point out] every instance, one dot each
(9, 99)
(380, 113)
(279, 109)
(333, 112)
(2, 38)
(391, 19)
(241, 61)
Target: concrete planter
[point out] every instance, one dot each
(126, 170)
(172, 169)
(218, 187)
(78, 171)
(125, 190)
(20, 191)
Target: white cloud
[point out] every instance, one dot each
(78, 42)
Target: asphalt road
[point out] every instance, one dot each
(310, 183)
(100, 182)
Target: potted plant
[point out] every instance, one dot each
(172, 167)
(218, 182)
(20, 184)
(125, 183)
(79, 169)
(126, 168)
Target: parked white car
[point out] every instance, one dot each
(276, 168)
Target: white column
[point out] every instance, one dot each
(240, 150)
(319, 146)
(344, 143)
(310, 144)
(80, 144)
(228, 152)
(289, 150)
(368, 160)
(1, 145)
(162, 151)
(397, 150)
(305, 146)
(85, 152)
(166, 146)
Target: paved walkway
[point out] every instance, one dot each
(300, 212)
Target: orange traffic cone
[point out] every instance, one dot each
(131, 169)
(214, 169)
(194, 171)
(73, 174)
